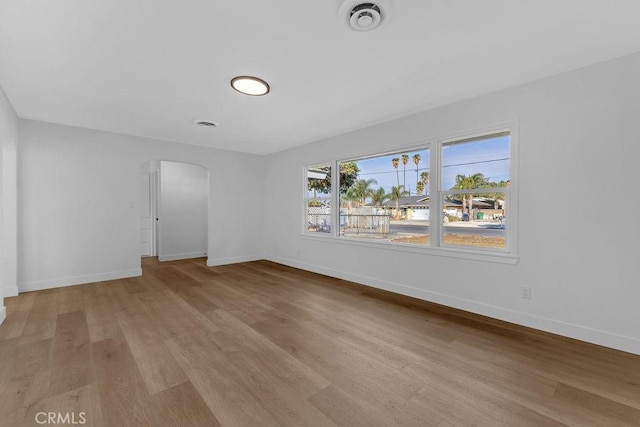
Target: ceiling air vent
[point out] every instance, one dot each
(365, 17)
(360, 16)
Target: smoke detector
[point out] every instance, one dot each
(360, 16)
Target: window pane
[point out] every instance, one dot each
(482, 225)
(318, 200)
(386, 197)
(319, 216)
(319, 181)
(476, 163)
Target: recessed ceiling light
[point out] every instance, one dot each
(250, 85)
(206, 123)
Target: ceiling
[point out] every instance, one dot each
(151, 67)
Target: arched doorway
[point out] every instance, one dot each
(174, 224)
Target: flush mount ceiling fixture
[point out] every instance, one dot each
(250, 85)
(364, 16)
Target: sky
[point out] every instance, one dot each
(381, 169)
(488, 156)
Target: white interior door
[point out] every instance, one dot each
(154, 192)
(145, 219)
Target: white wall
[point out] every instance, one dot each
(184, 205)
(79, 197)
(579, 138)
(8, 201)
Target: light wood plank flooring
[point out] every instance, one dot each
(263, 344)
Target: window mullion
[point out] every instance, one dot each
(335, 198)
(435, 202)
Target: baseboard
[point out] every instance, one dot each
(594, 336)
(78, 280)
(10, 291)
(3, 314)
(176, 257)
(213, 262)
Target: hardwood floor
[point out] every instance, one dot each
(263, 344)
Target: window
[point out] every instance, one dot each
(474, 189)
(318, 199)
(452, 194)
(386, 198)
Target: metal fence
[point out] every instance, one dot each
(364, 221)
(319, 219)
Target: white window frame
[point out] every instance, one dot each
(508, 255)
(511, 192)
(329, 197)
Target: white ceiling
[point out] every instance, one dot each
(150, 67)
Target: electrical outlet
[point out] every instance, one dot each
(526, 292)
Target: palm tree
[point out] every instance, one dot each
(395, 195)
(361, 189)
(378, 197)
(419, 187)
(396, 162)
(405, 160)
(469, 182)
(424, 178)
(416, 160)
(348, 196)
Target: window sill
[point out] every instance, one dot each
(451, 252)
